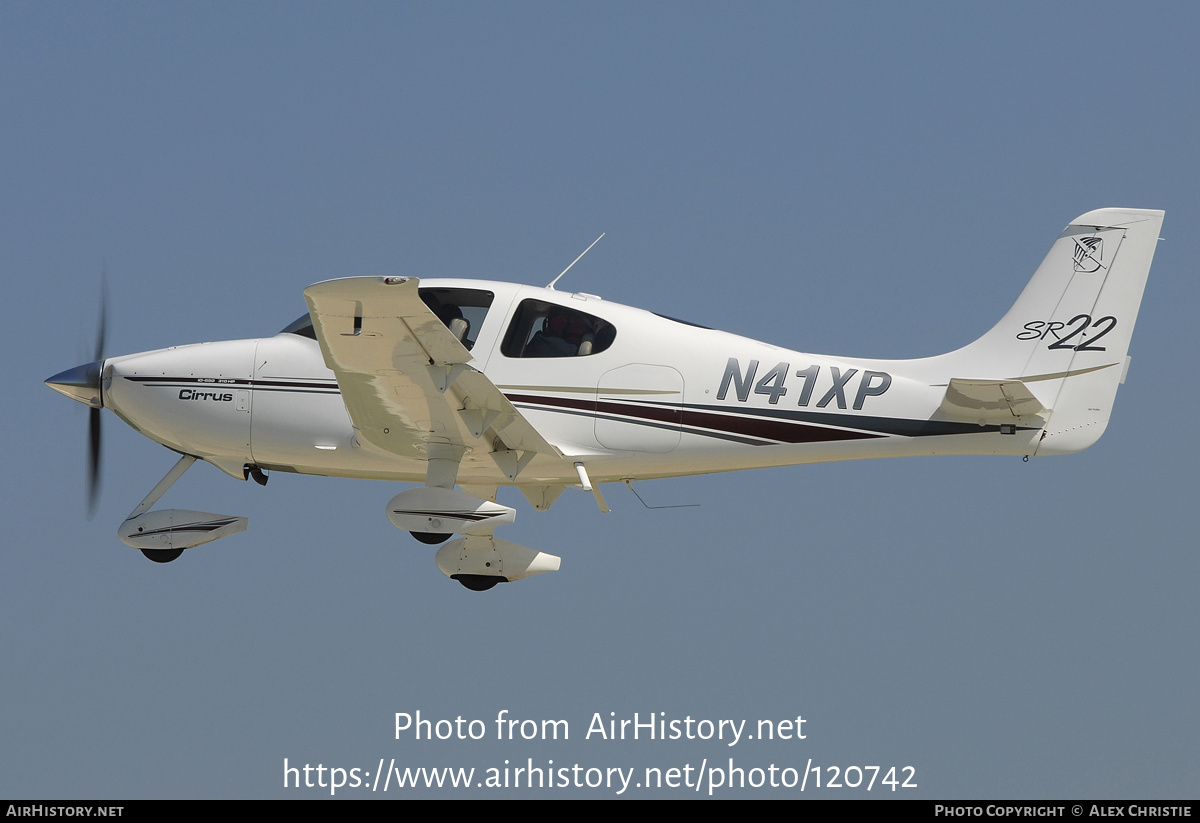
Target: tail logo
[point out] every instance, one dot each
(1089, 254)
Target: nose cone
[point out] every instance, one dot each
(81, 383)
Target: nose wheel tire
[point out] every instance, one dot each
(431, 538)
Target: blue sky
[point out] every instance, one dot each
(872, 180)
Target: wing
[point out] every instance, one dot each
(407, 381)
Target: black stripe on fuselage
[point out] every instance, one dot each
(268, 384)
(752, 426)
(898, 426)
(697, 420)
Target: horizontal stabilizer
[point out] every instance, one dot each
(990, 401)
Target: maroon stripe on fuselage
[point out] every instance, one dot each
(782, 431)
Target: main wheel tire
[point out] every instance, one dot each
(431, 538)
(162, 555)
(478, 582)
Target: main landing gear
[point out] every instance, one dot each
(436, 512)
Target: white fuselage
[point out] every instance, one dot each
(665, 398)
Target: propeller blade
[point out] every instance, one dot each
(93, 476)
(102, 323)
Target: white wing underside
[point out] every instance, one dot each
(407, 381)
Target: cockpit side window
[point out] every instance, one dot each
(302, 326)
(541, 329)
(462, 310)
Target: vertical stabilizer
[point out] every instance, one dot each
(1067, 336)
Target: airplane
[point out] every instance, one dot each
(464, 386)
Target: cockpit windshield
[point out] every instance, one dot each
(302, 326)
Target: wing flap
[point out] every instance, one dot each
(485, 406)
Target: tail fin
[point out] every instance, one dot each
(1067, 336)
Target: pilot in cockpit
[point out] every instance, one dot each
(562, 332)
(452, 316)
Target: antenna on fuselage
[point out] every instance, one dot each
(573, 262)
